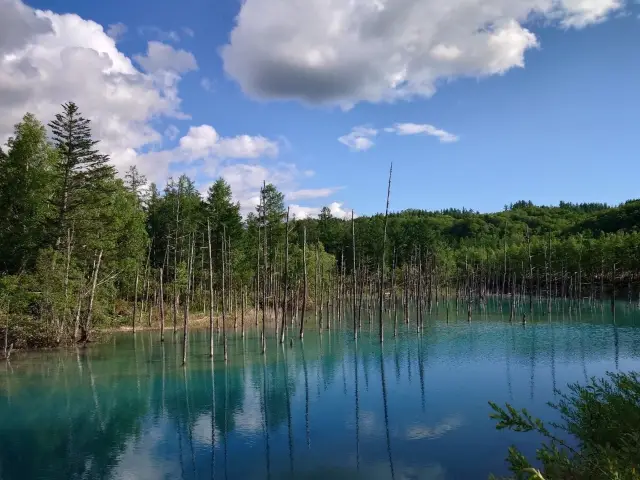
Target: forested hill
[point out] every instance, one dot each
(456, 228)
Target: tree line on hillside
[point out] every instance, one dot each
(81, 249)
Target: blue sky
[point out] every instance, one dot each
(542, 105)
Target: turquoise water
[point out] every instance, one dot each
(325, 408)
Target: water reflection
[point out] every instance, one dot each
(128, 409)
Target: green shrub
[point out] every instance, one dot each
(603, 417)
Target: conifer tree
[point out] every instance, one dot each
(82, 171)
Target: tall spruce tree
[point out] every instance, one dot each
(83, 173)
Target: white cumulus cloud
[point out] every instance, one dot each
(310, 193)
(359, 139)
(200, 141)
(204, 141)
(341, 52)
(422, 129)
(336, 208)
(246, 146)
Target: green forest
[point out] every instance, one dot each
(82, 249)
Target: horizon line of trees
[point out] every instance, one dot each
(81, 248)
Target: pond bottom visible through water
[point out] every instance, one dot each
(415, 407)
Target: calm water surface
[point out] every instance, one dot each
(328, 408)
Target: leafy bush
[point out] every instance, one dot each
(603, 417)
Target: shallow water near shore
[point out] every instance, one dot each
(328, 407)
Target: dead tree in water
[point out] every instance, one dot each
(87, 325)
(135, 302)
(224, 306)
(353, 273)
(321, 292)
(256, 298)
(504, 276)
(151, 304)
(264, 281)
(512, 299)
(233, 305)
(244, 306)
(384, 246)
(185, 330)
(304, 293)
(548, 272)
(145, 283)
(315, 297)
(417, 285)
(283, 326)
(613, 289)
(530, 272)
(393, 295)
(175, 284)
(210, 291)
(469, 288)
(161, 306)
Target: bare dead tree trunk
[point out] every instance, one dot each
(151, 304)
(185, 327)
(321, 293)
(283, 325)
(135, 302)
(304, 269)
(66, 287)
(6, 335)
(87, 325)
(549, 276)
(264, 281)
(504, 276)
(145, 283)
(512, 305)
(341, 287)
(161, 305)
(244, 304)
(232, 296)
(76, 323)
(224, 306)
(353, 274)
(175, 284)
(257, 292)
(530, 272)
(210, 291)
(613, 290)
(315, 298)
(384, 246)
(393, 295)
(418, 290)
